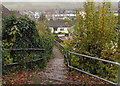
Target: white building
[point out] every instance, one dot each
(116, 14)
(60, 14)
(37, 15)
(59, 27)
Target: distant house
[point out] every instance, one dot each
(6, 12)
(59, 27)
(116, 13)
(37, 15)
(28, 13)
(60, 14)
(16, 13)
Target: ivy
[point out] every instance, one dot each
(21, 32)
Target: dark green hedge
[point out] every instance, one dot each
(21, 32)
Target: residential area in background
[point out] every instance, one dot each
(61, 43)
(60, 21)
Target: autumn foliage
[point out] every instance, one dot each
(95, 34)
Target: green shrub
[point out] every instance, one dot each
(21, 32)
(95, 35)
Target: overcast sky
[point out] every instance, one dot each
(55, 0)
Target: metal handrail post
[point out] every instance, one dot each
(70, 55)
(118, 75)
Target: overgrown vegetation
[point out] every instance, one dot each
(45, 34)
(22, 33)
(95, 34)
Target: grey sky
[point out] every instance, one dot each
(55, 0)
(52, 4)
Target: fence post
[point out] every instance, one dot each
(70, 55)
(70, 59)
(118, 75)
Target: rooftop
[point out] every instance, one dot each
(6, 12)
(58, 23)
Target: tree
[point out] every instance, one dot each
(95, 35)
(42, 17)
(21, 32)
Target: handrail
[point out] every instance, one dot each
(20, 49)
(59, 44)
(115, 63)
(17, 63)
(68, 64)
